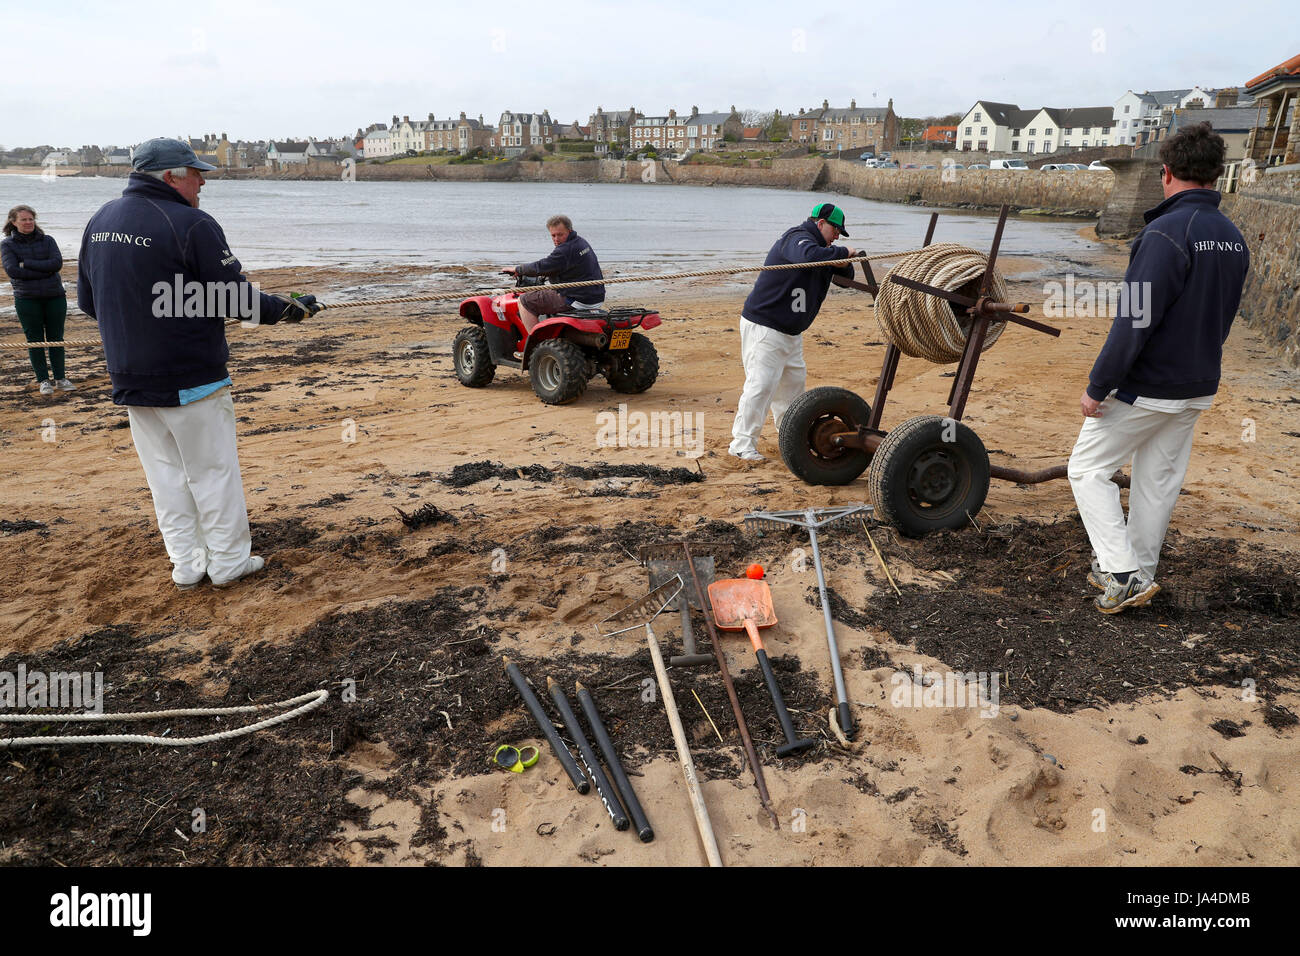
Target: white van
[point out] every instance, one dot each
(1008, 164)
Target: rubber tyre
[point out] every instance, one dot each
(921, 483)
(635, 369)
(558, 371)
(806, 413)
(470, 356)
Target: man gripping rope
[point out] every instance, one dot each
(780, 307)
(159, 277)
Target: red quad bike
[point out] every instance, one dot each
(563, 351)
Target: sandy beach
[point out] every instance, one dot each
(1164, 736)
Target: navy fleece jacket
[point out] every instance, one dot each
(32, 263)
(573, 260)
(788, 300)
(159, 277)
(1185, 275)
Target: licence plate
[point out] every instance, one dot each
(620, 338)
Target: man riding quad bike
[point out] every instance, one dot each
(561, 352)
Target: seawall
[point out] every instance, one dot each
(1267, 211)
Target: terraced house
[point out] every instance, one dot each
(707, 130)
(442, 134)
(661, 132)
(1006, 128)
(611, 128)
(519, 132)
(855, 128)
(406, 136)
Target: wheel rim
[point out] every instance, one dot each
(819, 437)
(937, 480)
(548, 372)
(466, 356)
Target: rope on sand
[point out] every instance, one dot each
(454, 296)
(302, 704)
(924, 326)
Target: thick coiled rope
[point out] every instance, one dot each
(924, 326)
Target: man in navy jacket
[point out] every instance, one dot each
(1158, 370)
(572, 260)
(780, 307)
(158, 276)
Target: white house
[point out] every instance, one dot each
(407, 136)
(1006, 128)
(286, 152)
(378, 143)
(1137, 113)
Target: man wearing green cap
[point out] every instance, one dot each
(779, 309)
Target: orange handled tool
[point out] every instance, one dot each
(741, 604)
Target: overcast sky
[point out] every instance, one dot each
(111, 72)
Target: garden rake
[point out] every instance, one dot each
(814, 520)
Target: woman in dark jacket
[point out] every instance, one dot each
(32, 261)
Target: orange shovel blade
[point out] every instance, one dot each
(736, 600)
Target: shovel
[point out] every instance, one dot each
(740, 604)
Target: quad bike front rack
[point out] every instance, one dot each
(930, 472)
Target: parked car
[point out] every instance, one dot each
(1098, 165)
(929, 166)
(869, 154)
(911, 166)
(887, 164)
(978, 166)
(954, 166)
(1056, 167)
(1018, 164)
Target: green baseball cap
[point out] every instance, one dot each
(832, 214)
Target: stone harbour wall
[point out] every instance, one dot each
(1267, 211)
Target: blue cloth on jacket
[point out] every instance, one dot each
(159, 277)
(1183, 286)
(789, 300)
(573, 260)
(38, 276)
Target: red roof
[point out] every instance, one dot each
(751, 132)
(1290, 68)
(939, 134)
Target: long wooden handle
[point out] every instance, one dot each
(702, 822)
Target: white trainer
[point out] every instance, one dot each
(251, 566)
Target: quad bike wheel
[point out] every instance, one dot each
(471, 357)
(929, 473)
(635, 368)
(558, 370)
(805, 434)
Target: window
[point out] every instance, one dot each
(977, 117)
(1015, 132)
(1123, 124)
(1047, 146)
(1085, 142)
(968, 130)
(1126, 110)
(1015, 146)
(1032, 132)
(965, 145)
(984, 130)
(1031, 145)
(984, 144)
(1067, 131)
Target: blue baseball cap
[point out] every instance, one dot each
(157, 154)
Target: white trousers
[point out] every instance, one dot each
(774, 377)
(192, 467)
(1159, 445)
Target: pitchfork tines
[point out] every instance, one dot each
(814, 518)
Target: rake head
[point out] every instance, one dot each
(814, 518)
(643, 611)
(673, 550)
